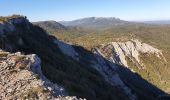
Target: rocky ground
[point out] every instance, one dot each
(20, 79)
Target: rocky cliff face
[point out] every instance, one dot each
(7, 24)
(21, 78)
(108, 60)
(118, 52)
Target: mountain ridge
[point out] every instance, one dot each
(96, 22)
(53, 26)
(158, 22)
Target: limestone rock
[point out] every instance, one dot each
(67, 49)
(119, 51)
(21, 78)
(110, 74)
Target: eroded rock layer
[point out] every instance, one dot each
(117, 52)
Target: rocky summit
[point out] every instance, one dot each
(17, 79)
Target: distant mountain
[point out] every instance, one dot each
(158, 22)
(51, 26)
(96, 22)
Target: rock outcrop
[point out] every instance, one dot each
(7, 24)
(21, 78)
(117, 52)
(109, 57)
(100, 64)
(108, 70)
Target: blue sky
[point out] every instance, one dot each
(38, 10)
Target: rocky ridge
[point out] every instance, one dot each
(100, 65)
(117, 52)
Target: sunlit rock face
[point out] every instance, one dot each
(108, 57)
(108, 70)
(100, 64)
(21, 78)
(117, 52)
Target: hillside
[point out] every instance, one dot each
(157, 36)
(51, 26)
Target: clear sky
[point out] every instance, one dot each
(38, 10)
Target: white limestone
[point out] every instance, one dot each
(131, 49)
(52, 87)
(119, 51)
(19, 77)
(67, 49)
(109, 73)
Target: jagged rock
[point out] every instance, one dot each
(69, 98)
(18, 20)
(100, 65)
(119, 51)
(21, 78)
(8, 24)
(110, 74)
(115, 53)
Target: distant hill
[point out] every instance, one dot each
(51, 26)
(97, 23)
(158, 22)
